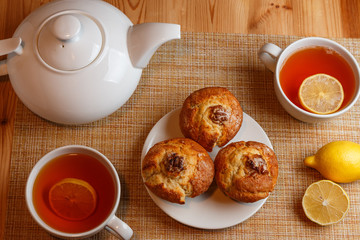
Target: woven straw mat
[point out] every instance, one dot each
(178, 68)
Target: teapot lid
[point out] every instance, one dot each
(70, 40)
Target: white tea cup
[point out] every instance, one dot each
(111, 223)
(274, 58)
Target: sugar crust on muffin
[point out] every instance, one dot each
(246, 171)
(177, 168)
(211, 116)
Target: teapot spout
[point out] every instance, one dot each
(144, 39)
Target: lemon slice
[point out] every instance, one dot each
(325, 202)
(321, 94)
(72, 199)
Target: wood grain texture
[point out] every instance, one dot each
(326, 18)
(7, 111)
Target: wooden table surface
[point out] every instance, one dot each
(325, 18)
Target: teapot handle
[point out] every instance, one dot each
(8, 46)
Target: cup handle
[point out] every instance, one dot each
(268, 54)
(119, 228)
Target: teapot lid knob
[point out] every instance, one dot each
(66, 27)
(70, 40)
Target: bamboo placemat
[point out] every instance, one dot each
(178, 68)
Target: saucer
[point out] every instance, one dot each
(212, 209)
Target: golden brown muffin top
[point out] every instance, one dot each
(246, 171)
(211, 116)
(177, 168)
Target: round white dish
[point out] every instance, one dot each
(212, 209)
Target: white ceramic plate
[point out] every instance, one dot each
(212, 209)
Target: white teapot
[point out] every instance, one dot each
(74, 62)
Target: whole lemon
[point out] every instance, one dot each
(338, 161)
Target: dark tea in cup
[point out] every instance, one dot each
(309, 61)
(86, 169)
(73, 192)
(320, 61)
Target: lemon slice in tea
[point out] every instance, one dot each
(321, 94)
(325, 202)
(72, 199)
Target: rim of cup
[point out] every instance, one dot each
(319, 41)
(59, 152)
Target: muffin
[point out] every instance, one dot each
(177, 168)
(246, 171)
(211, 116)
